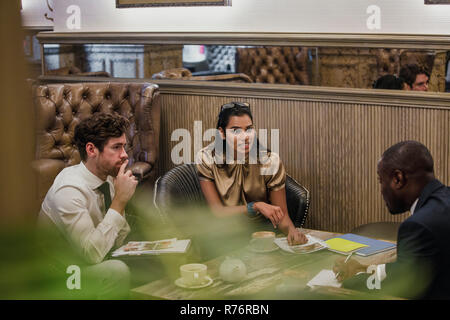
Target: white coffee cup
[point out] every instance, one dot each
(193, 273)
(262, 240)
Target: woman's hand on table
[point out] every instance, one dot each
(295, 237)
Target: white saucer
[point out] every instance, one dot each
(180, 283)
(275, 247)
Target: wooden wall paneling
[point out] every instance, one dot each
(331, 138)
(330, 147)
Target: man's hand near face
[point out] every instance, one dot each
(347, 270)
(125, 185)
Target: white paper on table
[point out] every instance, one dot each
(324, 278)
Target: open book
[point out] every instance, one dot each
(134, 248)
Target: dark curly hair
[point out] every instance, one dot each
(409, 73)
(98, 129)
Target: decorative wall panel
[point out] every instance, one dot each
(332, 148)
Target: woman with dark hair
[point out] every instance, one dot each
(390, 81)
(240, 177)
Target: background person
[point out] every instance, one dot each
(390, 81)
(415, 77)
(241, 188)
(407, 180)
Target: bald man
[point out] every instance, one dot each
(422, 269)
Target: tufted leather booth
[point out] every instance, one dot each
(60, 107)
(284, 65)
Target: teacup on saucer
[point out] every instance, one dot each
(263, 241)
(269, 249)
(180, 282)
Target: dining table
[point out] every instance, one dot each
(276, 274)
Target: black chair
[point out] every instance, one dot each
(180, 187)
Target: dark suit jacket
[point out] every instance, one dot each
(422, 269)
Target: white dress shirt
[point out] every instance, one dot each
(76, 207)
(381, 268)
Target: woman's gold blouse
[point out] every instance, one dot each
(238, 184)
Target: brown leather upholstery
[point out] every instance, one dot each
(66, 71)
(233, 77)
(60, 107)
(284, 65)
(185, 74)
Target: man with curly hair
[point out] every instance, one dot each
(415, 77)
(87, 201)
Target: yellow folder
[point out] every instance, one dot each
(343, 245)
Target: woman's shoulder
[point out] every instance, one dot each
(205, 156)
(270, 163)
(268, 158)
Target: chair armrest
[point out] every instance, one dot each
(237, 77)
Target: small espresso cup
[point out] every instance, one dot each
(262, 240)
(193, 273)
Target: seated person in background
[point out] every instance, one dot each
(407, 181)
(415, 77)
(390, 81)
(242, 182)
(87, 201)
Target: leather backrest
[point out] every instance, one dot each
(180, 188)
(284, 65)
(297, 198)
(60, 107)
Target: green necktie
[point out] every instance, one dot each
(104, 188)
